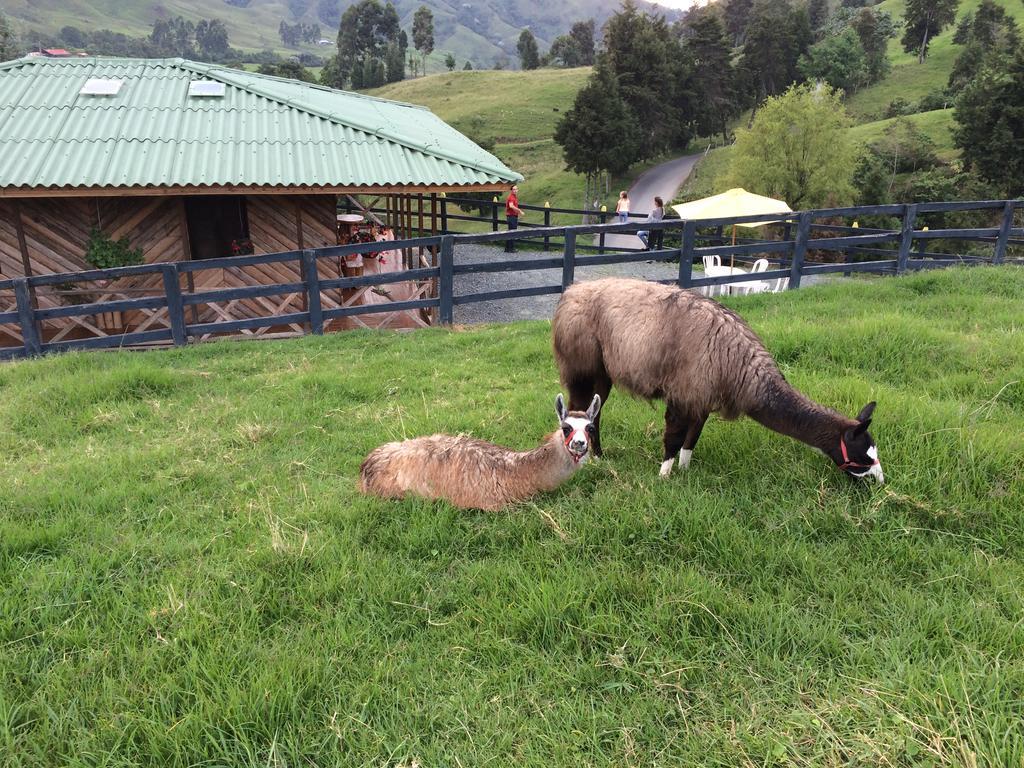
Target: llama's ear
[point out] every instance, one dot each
(595, 408)
(863, 419)
(560, 408)
(866, 411)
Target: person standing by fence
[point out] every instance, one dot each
(622, 207)
(654, 239)
(512, 212)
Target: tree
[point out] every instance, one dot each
(449, 62)
(777, 36)
(582, 35)
(874, 28)
(600, 132)
(529, 56)
(174, 37)
(467, 66)
(367, 29)
(713, 81)
(212, 39)
(72, 37)
(817, 13)
(991, 38)
(798, 149)
(290, 69)
(653, 76)
(8, 46)
(423, 33)
(839, 61)
(923, 20)
(990, 125)
(737, 17)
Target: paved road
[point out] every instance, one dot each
(660, 181)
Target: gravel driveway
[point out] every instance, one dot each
(532, 307)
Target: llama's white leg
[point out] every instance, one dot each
(684, 458)
(666, 467)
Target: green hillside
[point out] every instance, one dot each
(483, 31)
(910, 80)
(518, 111)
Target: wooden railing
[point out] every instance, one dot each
(167, 316)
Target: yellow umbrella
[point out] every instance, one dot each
(734, 202)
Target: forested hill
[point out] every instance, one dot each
(482, 31)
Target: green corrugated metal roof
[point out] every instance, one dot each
(264, 131)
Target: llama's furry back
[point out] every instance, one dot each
(657, 341)
(467, 472)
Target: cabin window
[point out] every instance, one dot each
(218, 225)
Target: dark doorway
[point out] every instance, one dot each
(218, 225)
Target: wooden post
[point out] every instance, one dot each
(1004, 233)
(26, 261)
(906, 238)
(494, 213)
(686, 254)
(444, 215)
(419, 232)
(312, 281)
(547, 223)
(446, 283)
(300, 242)
(803, 231)
(186, 245)
(602, 216)
(27, 317)
(175, 308)
(569, 259)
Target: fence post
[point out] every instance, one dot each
(494, 215)
(906, 238)
(175, 308)
(686, 254)
(446, 281)
(602, 217)
(547, 223)
(1004, 233)
(27, 317)
(444, 214)
(803, 233)
(312, 281)
(569, 259)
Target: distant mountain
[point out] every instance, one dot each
(483, 31)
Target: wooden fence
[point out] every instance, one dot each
(165, 319)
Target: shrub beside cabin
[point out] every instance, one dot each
(168, 160)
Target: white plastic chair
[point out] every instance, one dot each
(757, 286)
(712, 260)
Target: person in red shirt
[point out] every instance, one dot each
(512, 216)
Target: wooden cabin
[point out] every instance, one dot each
(198, 161)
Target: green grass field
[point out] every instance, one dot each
(188, 576)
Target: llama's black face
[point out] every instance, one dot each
(857, 454)
(577, 428)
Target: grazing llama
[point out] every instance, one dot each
(476, 474)
(661, 342)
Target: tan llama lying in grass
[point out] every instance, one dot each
(475, 474)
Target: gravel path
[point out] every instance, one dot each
(532, 307)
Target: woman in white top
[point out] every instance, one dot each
(622, 207)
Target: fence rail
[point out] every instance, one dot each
(788, 258)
